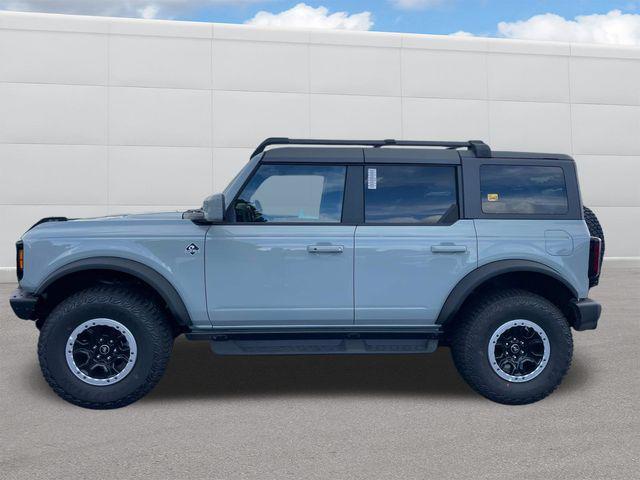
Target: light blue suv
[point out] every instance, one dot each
(327, 247)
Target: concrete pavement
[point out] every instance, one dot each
(315, 417)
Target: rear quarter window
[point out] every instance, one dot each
(523, 189)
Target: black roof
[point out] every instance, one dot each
(478, 147)
(385, 151)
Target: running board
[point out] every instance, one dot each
(325, 346)
(319, 341)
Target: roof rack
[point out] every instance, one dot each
(478, 147)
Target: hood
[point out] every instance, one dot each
(121, 224)
(124, 216)
(133, 216)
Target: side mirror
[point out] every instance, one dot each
(213, 208)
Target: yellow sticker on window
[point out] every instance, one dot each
(492, 197)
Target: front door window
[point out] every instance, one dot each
(292, 194)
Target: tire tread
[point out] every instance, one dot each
(595, 230)
(463, 343)
(146, 311)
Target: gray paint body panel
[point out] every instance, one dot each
(528, 240)
(399, 280)
(264, 275)
(158, 241)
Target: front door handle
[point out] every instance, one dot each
(448, 248)
(325, 248)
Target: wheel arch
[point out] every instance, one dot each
(123, 268)
(546, 281)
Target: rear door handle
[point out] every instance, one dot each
(448, 248)
(325, 248)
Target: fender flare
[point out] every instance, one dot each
(477, 277)
(142, 272)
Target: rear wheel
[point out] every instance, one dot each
(513, 347)
(104, 347)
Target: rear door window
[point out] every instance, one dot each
(408, 194)
(523, 189)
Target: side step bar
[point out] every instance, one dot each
(318, 341)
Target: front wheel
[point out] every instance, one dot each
(105, 347)
(513, 347)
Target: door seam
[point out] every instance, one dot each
(353, 276)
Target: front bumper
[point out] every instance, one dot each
(24, 304)
(586, 314)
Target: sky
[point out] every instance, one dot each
(593, 21)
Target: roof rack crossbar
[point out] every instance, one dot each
(478, 147)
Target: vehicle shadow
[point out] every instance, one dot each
(195, 372)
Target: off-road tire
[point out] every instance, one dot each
(595, 230)
(471, 337)
(131, 308)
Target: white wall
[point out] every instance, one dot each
(101, 115)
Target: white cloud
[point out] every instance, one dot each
(117, 8)
(614, 27)
(304, 16)
(461, 33)
(150, 11)
(416, 4)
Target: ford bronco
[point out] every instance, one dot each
(327, 247)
